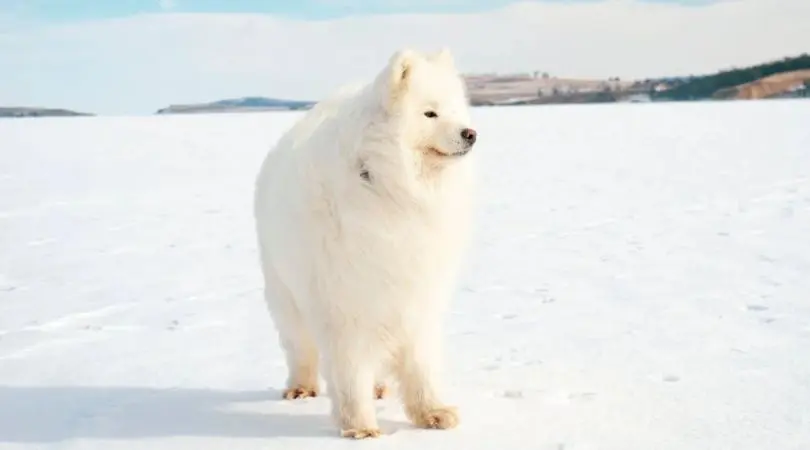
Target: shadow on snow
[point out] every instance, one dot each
(54, 414)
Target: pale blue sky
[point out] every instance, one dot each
(63, 10)
(136, 56)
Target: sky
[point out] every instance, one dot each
(136, 56)
(62, 10)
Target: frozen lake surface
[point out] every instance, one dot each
(639, 279)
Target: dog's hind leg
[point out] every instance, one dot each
(296, 339)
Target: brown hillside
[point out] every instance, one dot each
(765, 87)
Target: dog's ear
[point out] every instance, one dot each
(400, 67)
(445, 56)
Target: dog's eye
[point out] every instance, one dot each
(431, 114)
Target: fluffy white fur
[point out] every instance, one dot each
(362, 213)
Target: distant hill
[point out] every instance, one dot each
(537, 88)
(14, 111)
(486, 89)
(542, 88)
(239, 104)
(705, 87)
(779, 85)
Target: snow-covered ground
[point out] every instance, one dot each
(640, 279)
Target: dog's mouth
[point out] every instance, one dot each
(435, 151)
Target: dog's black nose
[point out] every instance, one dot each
(469, 135)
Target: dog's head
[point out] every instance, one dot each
(426, 98)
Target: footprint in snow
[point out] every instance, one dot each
(756, 308)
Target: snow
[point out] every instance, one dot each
(638, 280)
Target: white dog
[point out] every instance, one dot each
(362, 213)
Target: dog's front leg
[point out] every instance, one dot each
(351, 369)
(419, 368)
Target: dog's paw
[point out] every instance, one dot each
(361, 433)
(380, 391)
(299, 392)
(438, 418)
